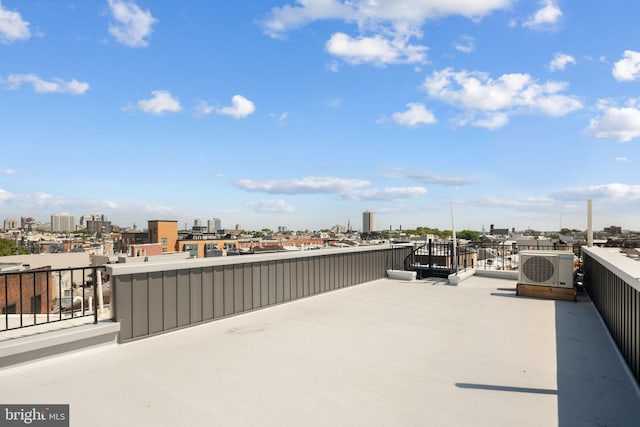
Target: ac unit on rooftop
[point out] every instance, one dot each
(546, 268)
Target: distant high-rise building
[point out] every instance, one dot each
(99, 226)
(238, 227)
(197, 222)
(213, 225)
(61, 223)
(26, 222)
(282, 229)
(367, 222)
(84, 219)
(10, 224)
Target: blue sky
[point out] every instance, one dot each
(307, 113)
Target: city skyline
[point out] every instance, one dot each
(368, 225)
(306, 114)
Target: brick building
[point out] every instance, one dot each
(164, 232)
(33, 290)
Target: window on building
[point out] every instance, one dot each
(164, 249)
(10, 309)
(36, 303)
(163, 240)
(192, 249)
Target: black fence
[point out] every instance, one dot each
(38, 296)
(432, 259)
(618, 302)
(437, 259)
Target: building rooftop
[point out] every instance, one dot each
(383, 353)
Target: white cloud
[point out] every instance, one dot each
(333, 66)
(240, 107)
(307, 185)
(271, 206)
(368, 13)
(614, 191)
(385, 27)
(347, 189)
(5, 195)
(385, 194)
(161, 102)
(12, 26)
(496, 99)
(491, 121)
(415, 115)
(203, 108)
(466, 44)
(426, 177)
(132, 25)
(518, 202)
(376, 50)
(74, 87)
(548, 15)
(619, 123)
(400, 208)
(560, 61)
(45, 202)
(285, 18)
(628, 68)
(622, 159)
(281, 118)
(7, 172)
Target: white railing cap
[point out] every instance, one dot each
(149, 267)
(622, 266)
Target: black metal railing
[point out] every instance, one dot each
(618, 302)
(432, 259)
(504, 255)
(39, 296)
(410, 260)
(438, 259)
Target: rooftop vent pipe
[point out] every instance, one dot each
(589, 225)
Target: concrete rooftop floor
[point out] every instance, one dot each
(385, 353)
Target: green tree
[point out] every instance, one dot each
(8, 247)
(474, 236)
(421, 231)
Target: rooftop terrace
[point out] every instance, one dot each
(385, 352)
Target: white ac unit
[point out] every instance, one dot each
(546, 268)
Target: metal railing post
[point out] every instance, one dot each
(21, 310)
(95, 295)
(430, 258)
(6, 302)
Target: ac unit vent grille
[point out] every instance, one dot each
(538, 269)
